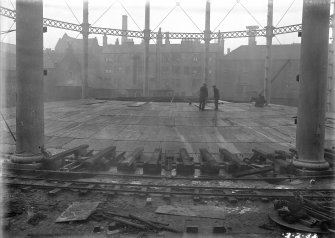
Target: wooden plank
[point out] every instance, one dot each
(78, 211)
(55, 191)
(252, 171)
(193, 211)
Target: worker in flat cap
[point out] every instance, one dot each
(216, 97)
(203, 97)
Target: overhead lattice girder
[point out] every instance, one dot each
(153, 35)
(62, 25)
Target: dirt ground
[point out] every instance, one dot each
(241, 220)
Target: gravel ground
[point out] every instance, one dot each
(241, 220)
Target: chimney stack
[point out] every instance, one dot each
(167, 38)
(159, 37)
(252, 35)
(124, 28)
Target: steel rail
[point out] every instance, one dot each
(332, 190)
(137, 189)
(6, 12)
(143, 176)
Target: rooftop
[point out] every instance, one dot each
(246, 52)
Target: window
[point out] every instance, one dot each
(195, 58)
(199, 69)
(120, 58)
(176, 57)
(165, 69)
(194, 82)
(176, 69)
(166, 57)
(194, 70)
(186, 70)
(177, 83)
(107, 59)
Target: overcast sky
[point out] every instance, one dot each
(177, 21)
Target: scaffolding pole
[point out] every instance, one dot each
(146, 49)
(85, 32)
(269, 36)
(207, 39)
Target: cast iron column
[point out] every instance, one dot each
(313, 78)
(331, 88)
(269, 35)
(85, 32)
(29, 68)
(146, 49)
(207, 39)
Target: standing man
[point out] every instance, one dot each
(203, 97)
(216, 97)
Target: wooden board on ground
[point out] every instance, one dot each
(193, 211)
(78, 211)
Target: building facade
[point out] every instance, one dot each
(174, 69)
(242, 73)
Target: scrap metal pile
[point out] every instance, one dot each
(303, 214)
(269, 164)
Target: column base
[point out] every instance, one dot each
(10, 165)
(304, 172)
(26, 158)
(308, 165)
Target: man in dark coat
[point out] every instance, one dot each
(203, 97)
(216, 97)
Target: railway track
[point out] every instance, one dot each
(57, 173)
(144, 189)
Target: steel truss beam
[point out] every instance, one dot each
(153, 35)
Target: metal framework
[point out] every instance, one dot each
(153, 35)
(62, 25)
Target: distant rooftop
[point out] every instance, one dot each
(247, 52)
